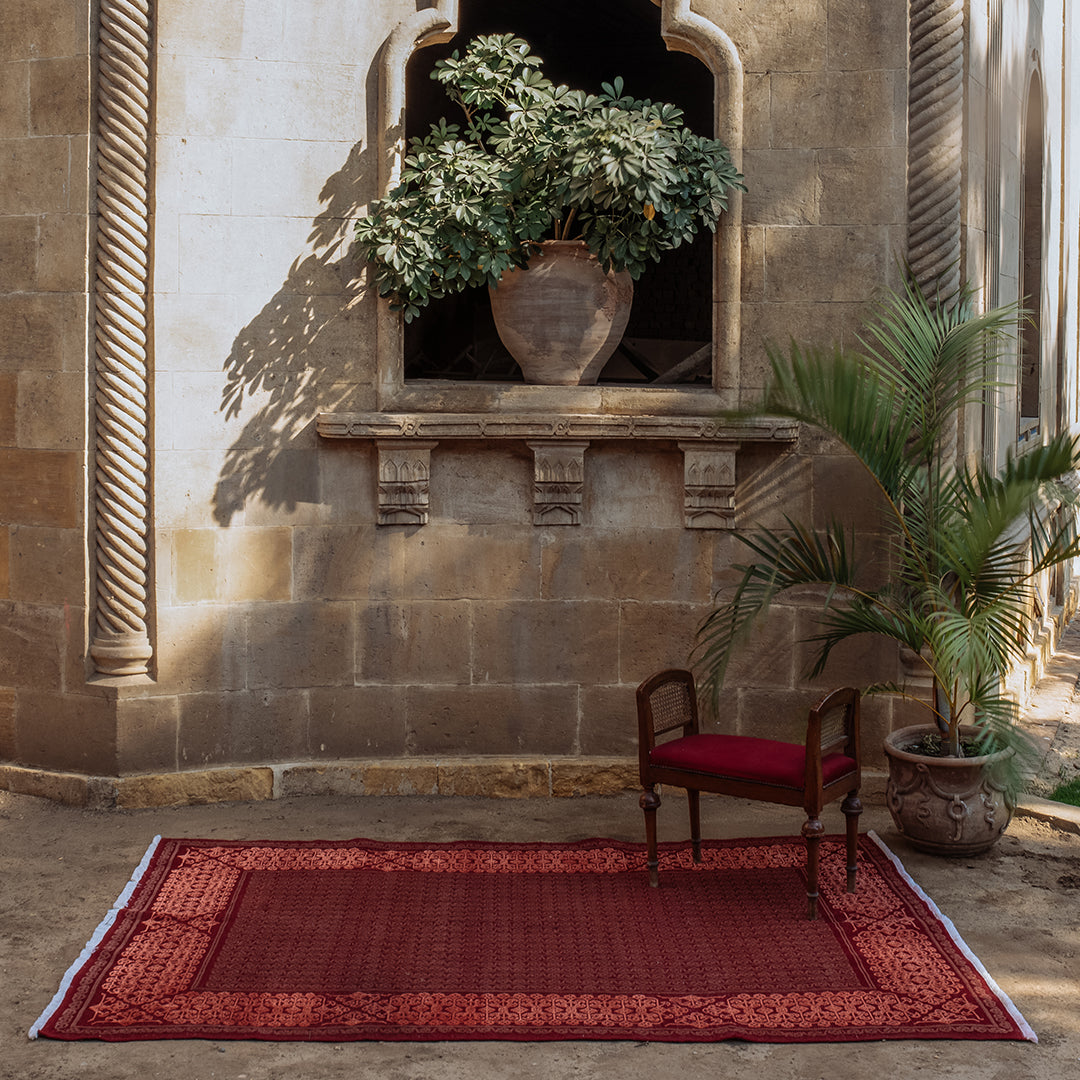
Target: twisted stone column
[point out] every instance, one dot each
(935, 140)
(121, 644)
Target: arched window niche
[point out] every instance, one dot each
(416, 375)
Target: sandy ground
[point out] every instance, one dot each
(1018, 907)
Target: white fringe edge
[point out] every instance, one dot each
(95, 940)
(1000, 994)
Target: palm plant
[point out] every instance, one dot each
(968, 544)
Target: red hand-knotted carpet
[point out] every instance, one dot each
(366, 940)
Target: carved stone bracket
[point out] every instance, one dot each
(709, 484)
(558, 481)
(404, 482)
(558, 444)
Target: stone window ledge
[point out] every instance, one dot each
(405, 442)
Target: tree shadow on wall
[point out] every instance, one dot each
(293, 355)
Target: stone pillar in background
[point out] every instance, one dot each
(935, 141)
(121, 643)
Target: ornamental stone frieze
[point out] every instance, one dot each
(559, 444)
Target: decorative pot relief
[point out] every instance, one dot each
(951, 806)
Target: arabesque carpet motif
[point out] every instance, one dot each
(348, 940)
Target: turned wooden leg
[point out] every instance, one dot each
(852, 807)
(650, 803)
(694, 799)
(812, 831)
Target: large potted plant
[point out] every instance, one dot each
(542, 186)
(968, 547)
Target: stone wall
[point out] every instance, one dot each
(478, 651)
(45, 207)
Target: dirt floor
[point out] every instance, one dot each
(1018, 908)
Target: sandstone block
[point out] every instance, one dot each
(490, 719)
(767, 713)
(862, 186)
(499, 492)
(7, 724)
(549, 641)
(242, 726)
(767, 659)
(46, 565)
(34, 175)
(419, 642)
(51, 405)
(625, 488)
(192, 329)
(43, 331)
(18, 249)
(347, 780)
(867, 36)
(644, 565)
(146, 733)
(243, 564)
(67, 789)
(401, 777)
(856, 258)
(67, 733)
(347, 562)
(301, 645)
(31, 646)
(195, 788)
(502, 562)
(44, 28)
(201, 647)
(793, 38)
(62, 263)
(194, 174)
(494, 778)
(15, 93)
(609, 720)
(5, 563)
(593, 776)
(654, 636)
(357, 722)
(60, 95)
(787, 186)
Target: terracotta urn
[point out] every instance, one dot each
(563, 317)
(948, 806)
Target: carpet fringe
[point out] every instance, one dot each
(962, 945)
(88, 949)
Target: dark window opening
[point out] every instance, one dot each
(582, 44)
(1031, 258)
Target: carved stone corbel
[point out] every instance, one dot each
(709, 484)
(558, 481)
(404, 481)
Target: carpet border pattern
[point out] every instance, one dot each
(928, 984)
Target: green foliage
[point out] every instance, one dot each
(968, 544)
(535, 161)
(1067, 793)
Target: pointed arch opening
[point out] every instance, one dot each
(688, 306)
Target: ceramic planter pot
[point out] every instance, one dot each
(948, 806)
(562, 318)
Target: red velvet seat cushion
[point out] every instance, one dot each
(745, 758)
